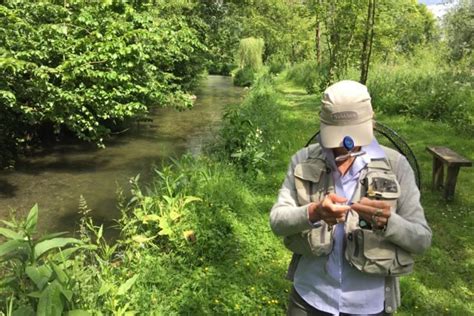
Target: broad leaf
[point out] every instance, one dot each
(32, 219)
(189, 199)
(60, 274)
(104, 288)
(11, 246)
(165, 228)
(127, 285)
(49, 244)
(39, 275)
(142, 239)
(51, 236)
(11, 234)
(100, 232)
(24, 311)
(151, 218)
(50, 302)
(78, 312)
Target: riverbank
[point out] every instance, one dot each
(197, 239)
(61, 172)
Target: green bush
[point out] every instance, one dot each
(430, 92)
(249, 131)
(307, 75)
(85, 66)
(276, 64)
(244, 77)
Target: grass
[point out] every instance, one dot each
(443, 279)
(234, 265)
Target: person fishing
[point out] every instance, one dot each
(349, 210)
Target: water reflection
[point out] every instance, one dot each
(56, 177)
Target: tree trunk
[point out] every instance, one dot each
(318, 33)
(366, 51)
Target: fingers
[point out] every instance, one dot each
(336, 198)
(374, 211)
(331, 212)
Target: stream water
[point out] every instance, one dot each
(56, 177)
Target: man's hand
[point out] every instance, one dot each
(373, 211)
(328, 211)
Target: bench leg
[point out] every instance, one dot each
(450, 184)
(438, 173)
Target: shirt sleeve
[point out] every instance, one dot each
(408, 227)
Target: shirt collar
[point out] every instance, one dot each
(372, 151)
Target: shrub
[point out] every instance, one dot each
(426, 91)
(249, 129)
(276, 64)
(306, 74)
(244, 77)
(83, 66)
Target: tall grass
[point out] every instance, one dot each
(429, 89)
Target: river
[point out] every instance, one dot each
(58, 175)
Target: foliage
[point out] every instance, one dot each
(459, 28)
(85, 66)
(426, 90)
(248, 134)
(197, 240)
(244, 77)
(250, 53)
(34, 275)
(306, 74)
(221, 35)
(276, 64)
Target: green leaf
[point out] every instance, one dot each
(11, 234)
(165, 228)
(60, 275)
(67, 293)
(189, 199)
(32, 219)
(151, 218)
(49, 244)
(9, 224)
(11, 246)
(100, 232)
(104, 288)
(78, 312)
(50, 302)
(39, 275)
(50, 236)
(64, 254)
(24, 311)
(127, 285)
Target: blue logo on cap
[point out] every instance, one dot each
(348, 143)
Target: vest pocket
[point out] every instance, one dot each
(313, 242)
(370, 253)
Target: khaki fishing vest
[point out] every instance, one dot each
(366, 249)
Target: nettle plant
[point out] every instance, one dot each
(34, 277)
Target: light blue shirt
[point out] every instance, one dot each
(329, 283)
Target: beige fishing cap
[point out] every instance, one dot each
(346, 110)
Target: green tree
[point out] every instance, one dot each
(84, 66)
(459, 27)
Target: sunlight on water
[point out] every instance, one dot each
(57, 177)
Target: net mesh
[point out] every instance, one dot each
(388, 137)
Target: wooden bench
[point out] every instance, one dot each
(445, 156)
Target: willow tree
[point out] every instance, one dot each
(250, 53)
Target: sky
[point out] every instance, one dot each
(438, 7)
(428, 2)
